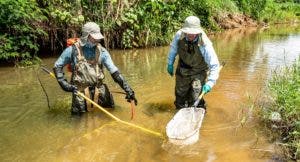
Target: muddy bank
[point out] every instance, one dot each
(231, 21)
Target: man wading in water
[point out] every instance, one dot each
(87, 59)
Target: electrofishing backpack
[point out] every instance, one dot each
(70, 42)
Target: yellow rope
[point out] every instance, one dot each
(119, 120)
(52, 75)
(112, 116)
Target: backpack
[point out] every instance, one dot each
(70, 42)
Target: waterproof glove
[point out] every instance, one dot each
(206, 88)
(125, 86)
(170, 70)
(64, 84)
(130, 96)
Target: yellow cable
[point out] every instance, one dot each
(119, 120)
(112, 116)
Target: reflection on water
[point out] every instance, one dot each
(32, 132)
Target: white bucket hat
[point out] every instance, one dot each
(90, 28)
(191, 25)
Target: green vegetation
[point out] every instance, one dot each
(281, 112)
(21, 29)
(30, 27)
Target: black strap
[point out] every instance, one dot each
(72, 56)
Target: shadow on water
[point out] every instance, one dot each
(32, 132)
(151, 109)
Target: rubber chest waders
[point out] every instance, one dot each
(87, 74)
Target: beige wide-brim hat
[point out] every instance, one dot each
(192, 25)
(92, 29)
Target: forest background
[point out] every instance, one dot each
(30, 29)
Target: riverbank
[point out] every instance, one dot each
(36, 28)
(279, 110)
(231, 21)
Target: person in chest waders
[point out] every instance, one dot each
(87, 58)
(198, 65)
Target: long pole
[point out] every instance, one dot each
(108, 113)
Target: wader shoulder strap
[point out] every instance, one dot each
(98, 52)
(200, 40)
(182, 36)
(79, 50)
(98, 56)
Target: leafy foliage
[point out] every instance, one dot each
(41, 26)
(150, 23)
(20, 23)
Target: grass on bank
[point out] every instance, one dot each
(280, 113)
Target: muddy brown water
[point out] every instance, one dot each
(32, 132)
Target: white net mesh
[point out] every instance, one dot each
(184, 126)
